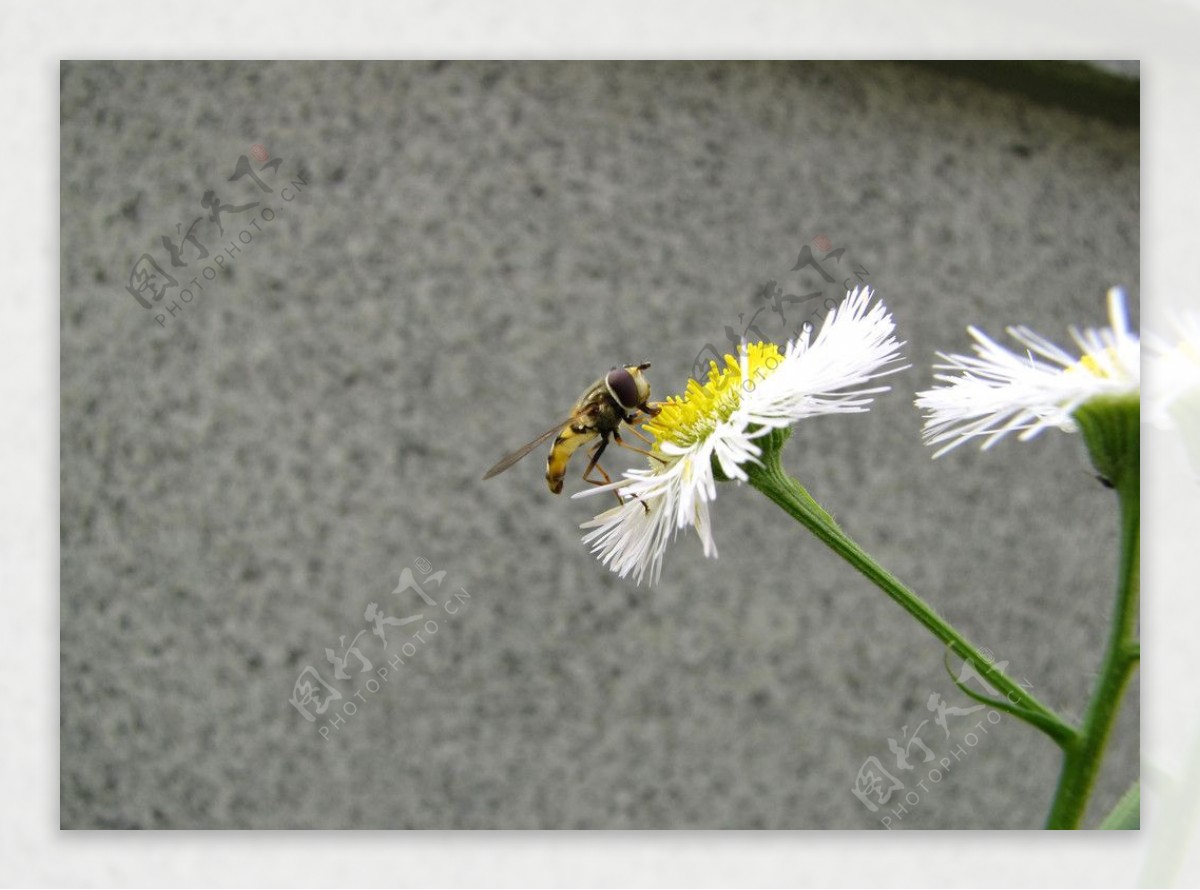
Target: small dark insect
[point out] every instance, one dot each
(619, 397)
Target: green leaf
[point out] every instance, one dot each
(1127, 814)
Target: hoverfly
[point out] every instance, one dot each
(618, 397)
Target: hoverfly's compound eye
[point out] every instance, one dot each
(623, 388)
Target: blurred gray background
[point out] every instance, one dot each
(466, 247)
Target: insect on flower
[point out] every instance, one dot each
(619, 397)
(718, 423)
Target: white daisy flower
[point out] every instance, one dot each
(1174, 402)
(718, 422)
(997, 391)
(1174, 370)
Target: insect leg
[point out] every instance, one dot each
(597, 451)
(633, 429)
(617, 438)
(568, 442)
(594, 464)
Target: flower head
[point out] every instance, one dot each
(714, 427)
(1175, 382)
(1175, 370)
(998, 391)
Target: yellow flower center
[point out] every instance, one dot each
(692, 417)
(1190, 351)
(1092, 365)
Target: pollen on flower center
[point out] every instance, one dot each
(1190, 351)
(692, 417)
(1095, 365)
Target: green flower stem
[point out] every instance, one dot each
(1112, 433)
(774, 482)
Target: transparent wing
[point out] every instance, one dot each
(508, 460)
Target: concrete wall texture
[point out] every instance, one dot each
(443, 257)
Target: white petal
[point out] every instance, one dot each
(829, 375)
(997, 391)
(1174, 364)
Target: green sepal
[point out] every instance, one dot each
(1111, 428)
